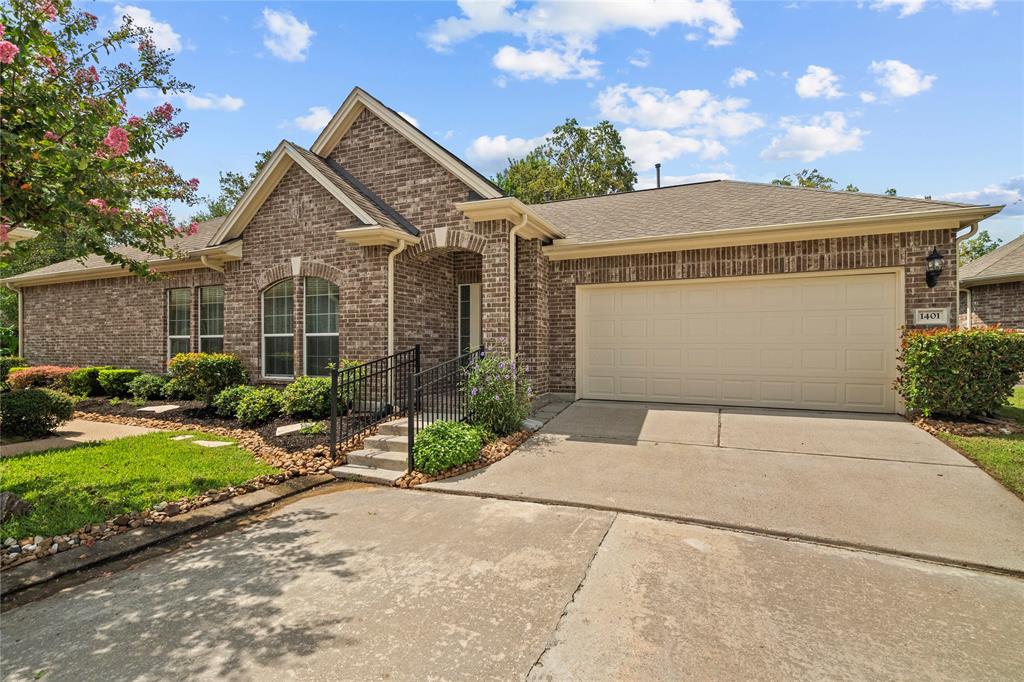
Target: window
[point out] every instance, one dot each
(469, 317)
(179, 317)
(278, 331)
(211, 319)
(321, 326)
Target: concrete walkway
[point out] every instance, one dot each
(74, 432)
(377, 583)
(872, 481)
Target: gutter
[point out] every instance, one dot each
(956, 254)
(512, 312)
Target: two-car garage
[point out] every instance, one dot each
(826, 341)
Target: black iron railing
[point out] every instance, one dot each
(437, 393)
(365, 395)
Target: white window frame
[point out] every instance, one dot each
(475, 315)
(199, 329)
(306, 334)
(167, 327)
(264, 335)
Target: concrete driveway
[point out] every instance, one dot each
(869, 481)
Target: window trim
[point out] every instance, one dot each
(167, 326)
(264, 335)
(305, 326)
(199, 315)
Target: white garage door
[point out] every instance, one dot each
(826, 342)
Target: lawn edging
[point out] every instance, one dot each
(35, 573)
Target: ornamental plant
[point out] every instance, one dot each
(226, 402)
(85, 381)
(498, 394)
(259, 406)
(117, 382)
(959, 372)
(79, 167)
(147, 387)
(443, 445)
(40, 376)
(203, 375)
(34, 412)
(308, 397)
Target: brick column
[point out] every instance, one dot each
(532, 312)
(495, 280)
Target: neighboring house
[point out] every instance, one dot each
(377, 238)
(992, 288)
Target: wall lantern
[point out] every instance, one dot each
(933, 266)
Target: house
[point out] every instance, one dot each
(992, 288)
(376, 238)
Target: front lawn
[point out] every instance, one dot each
(1015, 407)
(1001, 456)
(69, 488)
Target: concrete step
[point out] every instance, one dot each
(387, 443)
(353, 472)
(398, 427)
(380, 459)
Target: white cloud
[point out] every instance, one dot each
(288, 38)
(314, 121)
(901, 80)
(649, 181)
(698, 111)
(211, 101)
(641, 58)
(647, 147)
(489, 150)
(970, 5)
(409, 118)
(548, 64)
(163, 35)
(741, 77)
(819, 81)
(820, 136)
(867, 97)
(1009, 193)
(906, 7)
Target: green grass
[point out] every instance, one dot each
(1015, 409)
(1001, 456)
(90, 483)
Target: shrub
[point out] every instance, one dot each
(499, 394)
(42, 376)
(85, 381)
(959, 372)
(173, 390)
(347, 374)
(203, 375)
(9, 362)
(259, 406)
(226, 402)
(34, 412)
(445, 444)
(147, 387)
(308, 397)
(115, 382)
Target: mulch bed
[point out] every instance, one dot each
(491, 453)
(989, 427)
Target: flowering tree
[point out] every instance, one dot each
(76, 166)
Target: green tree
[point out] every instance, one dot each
(890, 191)
(574, 161)
(976, 247)
(232, 187)
(807, 178)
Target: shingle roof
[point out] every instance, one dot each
(1006, 262)
(185, 243)
(716, 205)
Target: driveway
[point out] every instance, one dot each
(869, 481)
(364, 583)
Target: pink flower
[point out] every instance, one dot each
(3, 29)
(47, 9)
(193, 184)
(48, 63)
(88, 75)
(177, 130)
(117, 141)
(7, 51)
(192, 228)
(5, 227)
(134, 121)
(158, 213)
(98, 204)
(164, 111)
(91, 17)
(49, 135)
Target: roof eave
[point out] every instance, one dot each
(513, 210)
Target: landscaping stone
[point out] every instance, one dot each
(159, 409)
(11, 505)
(212, 443)
(291, 428)
(186, 436)
(532, 424)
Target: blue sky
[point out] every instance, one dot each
(922, 95)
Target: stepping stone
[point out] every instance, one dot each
(532, 424)
(213, 443)
(291, 428)
(184, 437)
(158, 409)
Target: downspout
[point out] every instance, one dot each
(512, 319)
(970, 299)
(391, 294)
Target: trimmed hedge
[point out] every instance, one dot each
(115, 382)
(34, 412)
(445, 444)
(499, 394)
(85, 381)
(959, 372)
(226, 402)
(259, 406)
(307, 397)
(9, 362)
(203, 375)
(147, 386)
(41, 376)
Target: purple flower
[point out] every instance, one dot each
(474, 391)
(501, 365)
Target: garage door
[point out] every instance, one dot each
(826, 342)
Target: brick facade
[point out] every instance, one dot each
(994, 304)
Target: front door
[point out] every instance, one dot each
(470, 317)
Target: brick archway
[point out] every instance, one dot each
(449, 239)
(274, 274)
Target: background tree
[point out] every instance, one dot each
(806, 178)
(976, 247)
(574, 161)
(232, 187)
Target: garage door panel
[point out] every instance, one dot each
(824, 342)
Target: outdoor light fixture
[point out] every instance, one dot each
(933, 266)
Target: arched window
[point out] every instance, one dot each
(321, 328)
(278, 330)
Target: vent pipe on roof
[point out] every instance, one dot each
(657, 170)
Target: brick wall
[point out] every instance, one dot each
(996, 304)
(905, 249)
(532, 313)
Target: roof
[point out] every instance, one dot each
(186, 243)
(1004, 264)
(717, 205)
